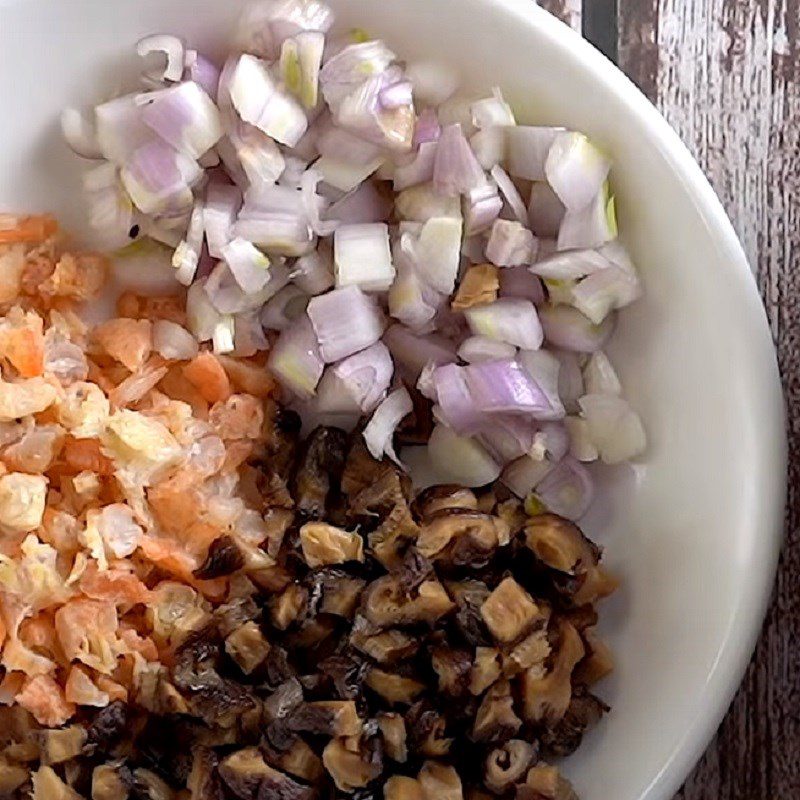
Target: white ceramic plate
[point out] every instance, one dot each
(695, 530)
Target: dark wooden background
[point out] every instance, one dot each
(726, 74)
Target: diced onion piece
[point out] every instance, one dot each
(510, 244)
(343, 175)
(202, 71)
(187, 254)
(282, 234)
(158, 178)
(510, 193)
(80, 134)
(229, 298)
(575, 169)
(312, 202)
(492, 112)
(482, 206)
(222, 339)
(183, 116)
(258, 156)
(172, 47)
(518, 282)
(507, 437)
(173, 341)
(201, 315)
(110, 208)
(379, 432)
(421, 203)
(614, 427)
(410, 300)
(413, 351)
(345, 321)
(480, 348)
(313, 272)
(545, 210)
(433, 81)
(525, 474)
(219, 213)
(120, 128)
(570, 379)
(418, 170)
(259, 102)
(545, 369)
(570, 265)
(600, 376)
(285, 307)
(508, 319)
(460, 459)
(437, 252)
(334, 397)
(581, 446)
(568, 329)
(295, 359)
(590, 227)
(366, 376)
(567, 490)
(457, 407)
(489, 146)
(248, 264)
(300, 63)
(248, 334)
(362, 256)
(603, 291)
(455, 170)
(427, 128)
(364, 204)
(527, 149)
(350, 67)
(504, 386)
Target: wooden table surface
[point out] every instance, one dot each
(726, 74)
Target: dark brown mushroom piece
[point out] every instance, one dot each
(507, 764)
(224, 558)
(393, 687)
(283, 701)
(47, 785)
(243, 771)
(462, 537)
(12, 776)
(584, 711)
(385, 647)
(598, 662)
(57, 745)
(413, 570)
(204, 782)
(334, 591)
(281, 436)
(485, 669)
(453, 667)
(544, 782)
(443, 497)
(325, 545)
(509, 611)
(401, 787)
(386, 604)
(288, 607)
(353, 765)
(319, 471)
(496, 720)
(300, 761)
(107, 727)
(546, 694)
(236, 612)
(111, 781)
(361, 470)
(440, 782)
(346, 672)
(427, 729)
(328, 717)
(393, 730)
(247, 646)
(470, 596)
(561, 546)
(277, 521)
(532, 650)
(149, 786)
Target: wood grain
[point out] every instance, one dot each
(726, 74)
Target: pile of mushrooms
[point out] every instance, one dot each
(437, 647)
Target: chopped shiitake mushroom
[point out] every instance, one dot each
(440, 782)
(247, 646)
(496, 720)
(443, 497)
(325, 544)
(462, 537)
(329, 717)
(351, 769)
(111, 781)
(61, 744)
(546, 698)
(509, 611)
(12, 776)
(243, 772)
(479, 286)
(386, 647)
(301, 761)
(48, 786)
(392, 687)
(387, 604)
(506, 764)
(287, 607)
(393, 730)
(485, 669)
(599, 660)
(544, 781)
(401, 787)
(453, 667)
